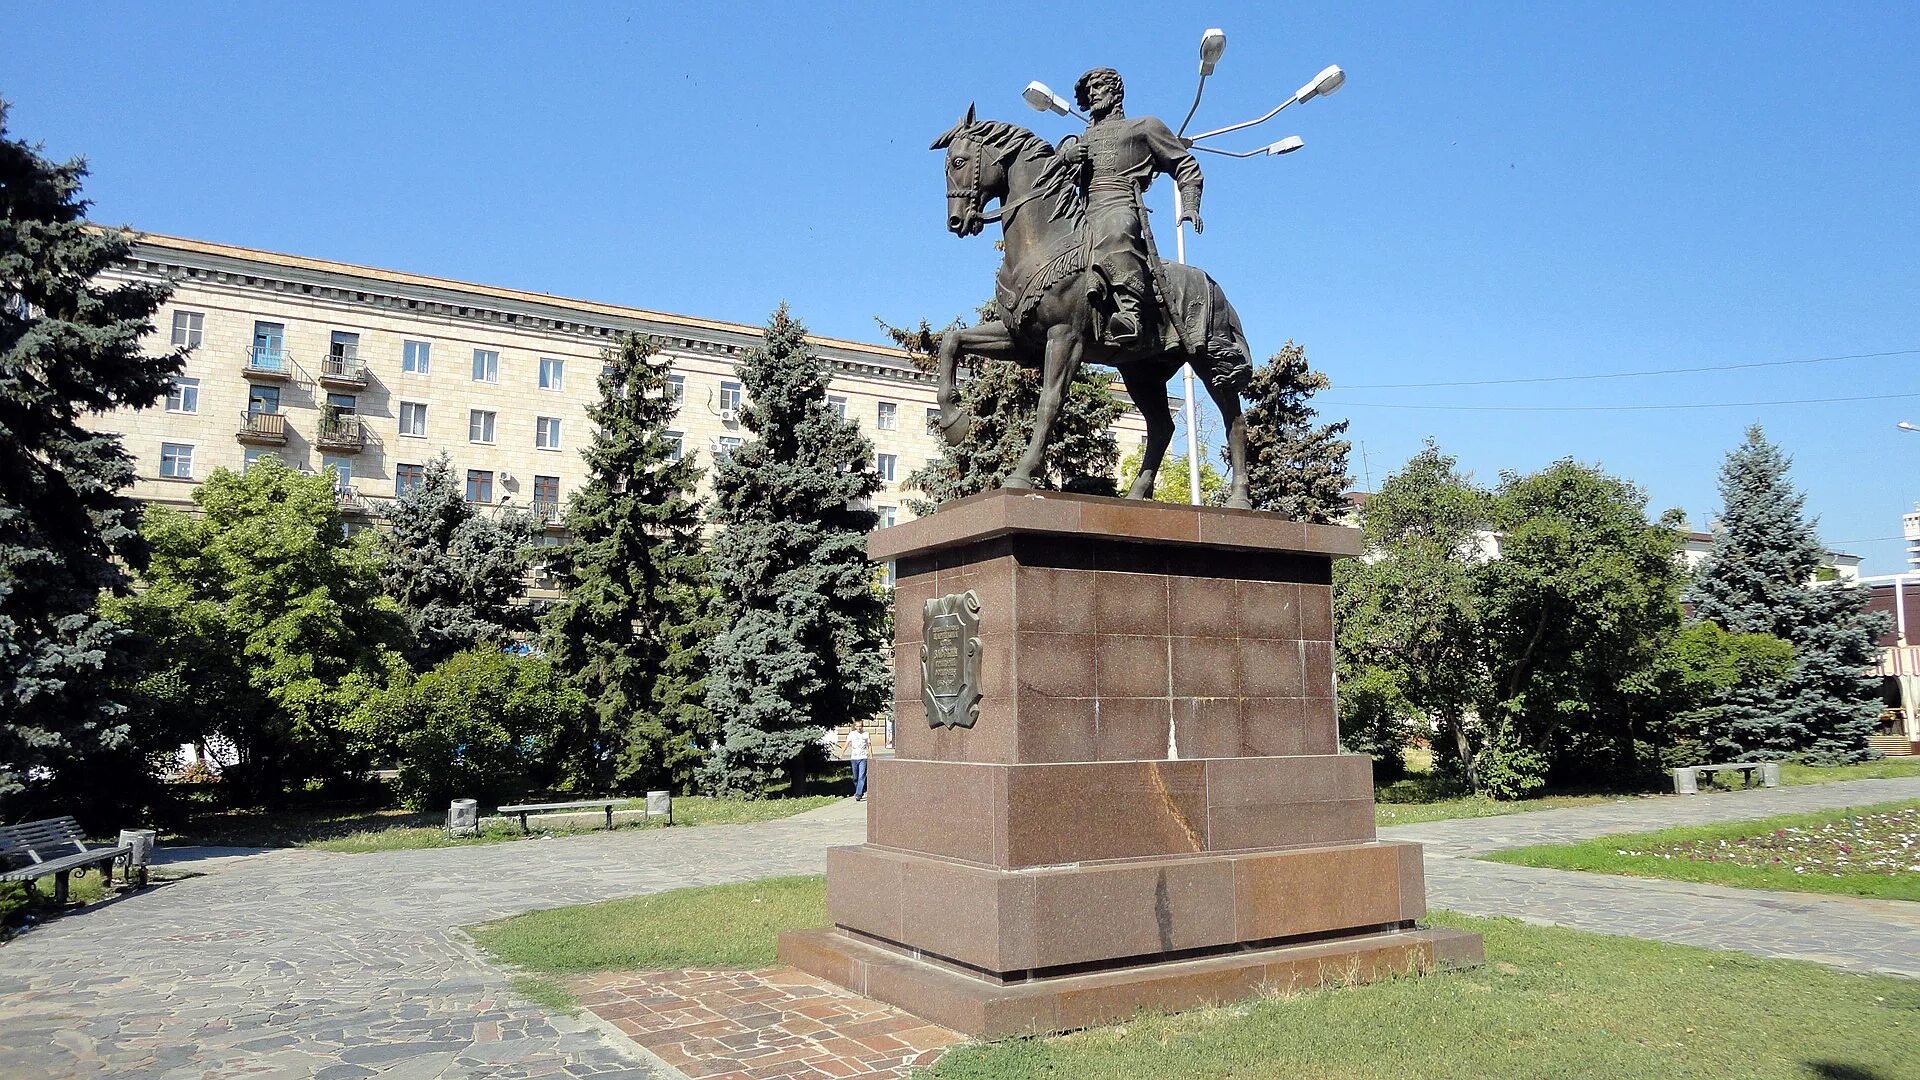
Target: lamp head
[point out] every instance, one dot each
(1286, 146)
(1327, 82)
(1212, 44)
(1044, 100)
(1904, 426)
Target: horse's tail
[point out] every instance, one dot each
(1229, 358)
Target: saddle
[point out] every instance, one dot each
(1180, 315)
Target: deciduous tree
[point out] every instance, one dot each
(1407, 618)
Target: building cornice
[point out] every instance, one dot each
(172, 258)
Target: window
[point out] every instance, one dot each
(546, 497)
(413, 419)
(343, 404)
(884, 464)
(188, 328)
(263, 399)
(729, 397)
(176, 460)
(184, 395)
(725, 445)
(883, 416)
(676, 445)
(342, 471)
(480, 426)
(889, 515)
(269, 346)
(546, 432)
(407, 477)
(254, 454)
(676, 388)
(486, 365)
(479, 485)
(838, 404)
(933, 419)
(416, 357)
(343, 346)
(553, 373)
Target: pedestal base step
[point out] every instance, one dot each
(990, 1010)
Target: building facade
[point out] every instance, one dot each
(373, 373)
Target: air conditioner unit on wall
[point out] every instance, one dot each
(729, 416)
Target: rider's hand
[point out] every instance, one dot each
(1193, 216)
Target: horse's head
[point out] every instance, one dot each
(976, 173)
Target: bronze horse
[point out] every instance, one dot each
(1048, 319)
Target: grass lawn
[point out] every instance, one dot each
(1871, 851)
(723, 926)
(1551, 1003)
(391, 830)
(1885, 768)
(1421, 797)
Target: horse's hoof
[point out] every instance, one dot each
(1239, 502)
(1140, 491)
(1017, 482)
(955, 426)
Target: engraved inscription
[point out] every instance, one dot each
(950, 660)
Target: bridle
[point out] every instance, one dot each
(977, 198)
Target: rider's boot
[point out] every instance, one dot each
(1126, 325)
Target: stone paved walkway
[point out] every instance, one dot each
(306, 963)
(1845, 932)
(300, 963)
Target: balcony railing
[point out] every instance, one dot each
(352, 502)
(341, 433)
(268, 363)
(548, 511)
(344, 368)
(266, 428)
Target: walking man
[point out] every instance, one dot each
(859, 749)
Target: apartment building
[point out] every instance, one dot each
(374, 372)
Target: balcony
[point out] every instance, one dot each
(343, 369)
(353, 503)
(548, 511)
(263, 428)
(268, 364)
(341, 433)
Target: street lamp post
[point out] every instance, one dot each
(1213, 44)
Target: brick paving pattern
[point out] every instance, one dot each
(761, 1025)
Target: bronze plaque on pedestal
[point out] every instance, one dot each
(950, 660)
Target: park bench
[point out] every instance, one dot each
(54, 848)
(523, 809)
(1686, 779)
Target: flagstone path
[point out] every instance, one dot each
(304, 963)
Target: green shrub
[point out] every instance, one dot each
(482, 724)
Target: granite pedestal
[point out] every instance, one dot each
(1150, 810)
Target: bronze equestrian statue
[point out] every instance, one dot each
(1080, 281)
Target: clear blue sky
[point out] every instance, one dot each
(1512, 191)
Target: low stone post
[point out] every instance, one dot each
(660, 803)
(1685, 782)
(142, 841)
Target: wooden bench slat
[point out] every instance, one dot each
(558, 805)
(90, 857)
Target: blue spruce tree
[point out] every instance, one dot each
(1760, 578)
(800, 648)
(69, 347)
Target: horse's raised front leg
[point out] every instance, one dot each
(989, 340)
(1147, 386)
(1056, 374)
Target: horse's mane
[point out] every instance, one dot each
(1058, 183)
